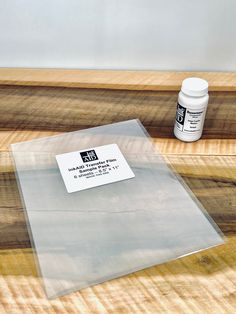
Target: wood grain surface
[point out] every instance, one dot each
(201, 283)
(136, 80)
(65, 109)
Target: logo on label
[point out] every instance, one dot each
(89, 155)
(180, 114)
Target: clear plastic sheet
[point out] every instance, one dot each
(87, 237)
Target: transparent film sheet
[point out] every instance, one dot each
(96, 234)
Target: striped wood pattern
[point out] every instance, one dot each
(136, 80)
(201, 283)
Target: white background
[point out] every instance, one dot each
(118, 34)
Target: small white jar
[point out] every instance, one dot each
(191, 109)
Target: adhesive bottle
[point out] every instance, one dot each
(191, 109)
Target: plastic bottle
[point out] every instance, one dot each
(191, 109)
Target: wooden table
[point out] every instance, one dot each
(39, 103)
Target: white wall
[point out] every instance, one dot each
(131, 34)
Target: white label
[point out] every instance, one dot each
(93, 167)
(189, 120)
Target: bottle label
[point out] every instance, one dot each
(189, 120)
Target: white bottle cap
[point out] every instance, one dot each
(194, 86)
